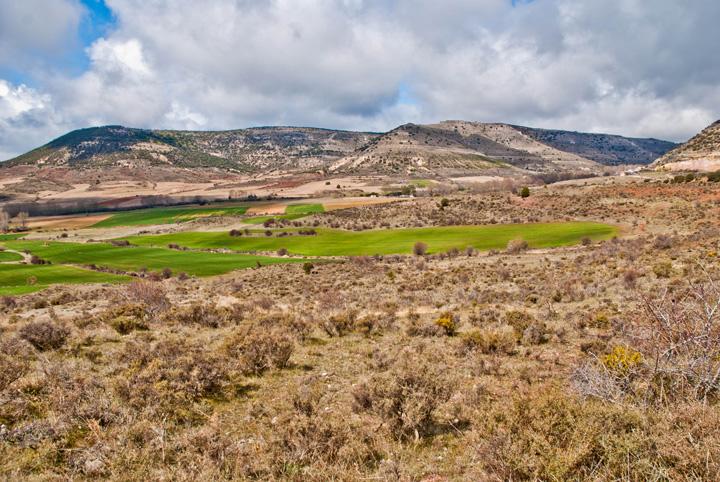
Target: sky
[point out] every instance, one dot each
(630, 67)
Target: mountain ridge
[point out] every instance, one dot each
(447, 147)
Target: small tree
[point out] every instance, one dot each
(444, 202)
(420, 248)
(22, 219)
(525, 192)
(4, 221)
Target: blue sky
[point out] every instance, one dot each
(619, 66)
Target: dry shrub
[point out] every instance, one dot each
(682, 337)
(126, 318)
(499, 339)
(318, 436)
(151, 294)
(519, 320)
(516, 246)
(548, 435)
(44, 335)
(340, 324)
(14, 361)
(171, 377)
(202, 314)
(407, 396)
(256, 349)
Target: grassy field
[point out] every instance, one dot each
(9, 237)
(18, 279)
(146, 217)
(4, 257)
(304, 209)
(136, 258)
(333, 242)
(292, 211)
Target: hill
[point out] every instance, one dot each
(701, 153)
(245, 150)
(444, 149)
(603, 148)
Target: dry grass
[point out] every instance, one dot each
(552, 365)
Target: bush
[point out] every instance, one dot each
(515, 246)
(256, 351)
(663, 269)
(524, 192)
(407, 397)
(448, 322)
(499, 339)
(420, 248)
(44, 335)
(308, 267)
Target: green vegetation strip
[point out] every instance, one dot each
(16, 279)
(135, 258)
(5, 257)
(146, 217)
(292, 212)
(334, 242)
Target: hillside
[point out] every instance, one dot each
(245, 150)
(701, 153)
(603, 148)
(444, 149)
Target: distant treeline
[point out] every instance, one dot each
(100, 204)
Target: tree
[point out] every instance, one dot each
(22, 219)
(4, 221)
(444, 202)
(420, 248)
(525, 192)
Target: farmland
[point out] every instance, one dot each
(151, 216)
(18, 278)
(334, 242)
(142, 258)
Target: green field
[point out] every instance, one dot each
(304, 209)
(9, 237)
(147, 217)
(335, 242)
(5, 257)
(135, 258)
(292, 211)
(18, 279)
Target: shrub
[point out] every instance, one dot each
(256, 351)
(339, 324)
(406, 397)
(496, 339)
(622, 361)
(524, 192)
(282, 252)
(515, 246)
(448, 322)
(44, 335)
(151, 294)
(420, 248)
(663, 269)
(519, 321)
(308, 267)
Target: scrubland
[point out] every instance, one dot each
(598, 361)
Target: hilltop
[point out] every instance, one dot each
(701, 153)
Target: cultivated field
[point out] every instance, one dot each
(335, 242)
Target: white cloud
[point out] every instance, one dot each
(625, 66)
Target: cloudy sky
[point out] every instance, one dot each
(631, 67)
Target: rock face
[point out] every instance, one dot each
(447, 148)
(701, 153)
